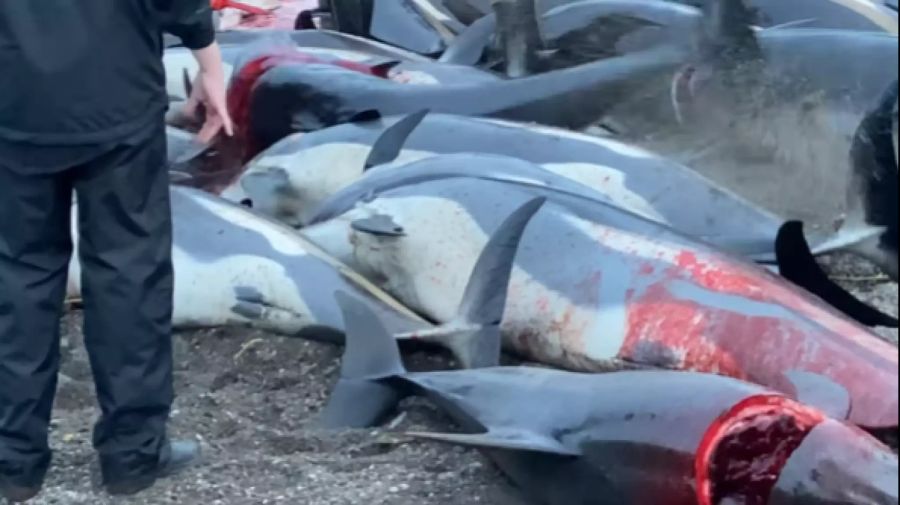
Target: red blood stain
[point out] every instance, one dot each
(807, 336)
(744, 451)
(241, 90)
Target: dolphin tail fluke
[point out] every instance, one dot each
(798, 265)
(474, 335)
(389, 145)
(363, 395)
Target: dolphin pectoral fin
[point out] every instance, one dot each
(379, 225)
(365, 116)
(251, 306)
(383, 70)
(821, 392)
(388, 146)
(798, 265)
(507, 439)
(363, 396)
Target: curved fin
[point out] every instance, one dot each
(383, 70)
(469, 47)
(474, 335)
(389, 145)
(362, 397)
(821, 392)
(506, 439)
(365, 116)
(379, 225)
(797, 264)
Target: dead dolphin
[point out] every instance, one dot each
(579, 32)
(235, 268)
(585, 296)
(290, 98)
(642, 437)
(288, 181)
(793, 100)
(325, 47)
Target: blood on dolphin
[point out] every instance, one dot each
(590, 296)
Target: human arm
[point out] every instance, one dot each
(192, 22)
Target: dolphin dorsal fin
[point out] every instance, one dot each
(389, 145)
(477, 344)
(797, 264)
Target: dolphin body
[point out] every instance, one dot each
(640, 437)
(236, 268)
(291, 98)
(288, 181)
(328, 46)
(869, 15)
(585, 296)
(579, 32)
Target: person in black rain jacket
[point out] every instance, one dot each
(82, 114)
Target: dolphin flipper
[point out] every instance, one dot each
(798, 265)
(378, 225)
(506, 438)
(388, 146)
(363, 396)
(821, 392)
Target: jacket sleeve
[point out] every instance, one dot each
(189, 20)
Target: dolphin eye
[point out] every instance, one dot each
(246, 202)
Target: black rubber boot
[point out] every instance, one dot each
(177, 457)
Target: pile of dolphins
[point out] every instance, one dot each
(467, 174)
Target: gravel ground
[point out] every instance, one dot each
(251, 399)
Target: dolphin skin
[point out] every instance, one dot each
(322, 46)
(580, 32)
(234, 268)
(585, 296)
(288, 180)
(292, 97)
(642, 437)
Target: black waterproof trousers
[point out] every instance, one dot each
(124, 223)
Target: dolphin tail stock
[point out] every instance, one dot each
(798, 264)
(519, 34)
(389, 145)
(873, 193)
(364, 395)
(474, 335)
